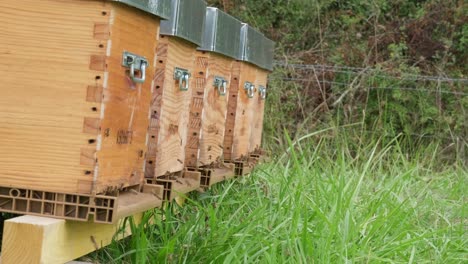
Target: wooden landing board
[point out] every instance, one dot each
(71, 120)
(34, 239)
(169, 108)
(239, 116)
(258, 112)
(208, 110)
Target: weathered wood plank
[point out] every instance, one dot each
(192, 149)
(214, 111)
(173, 115)
(125, 121)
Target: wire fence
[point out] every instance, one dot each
(314, 77)
(375, 72)
(413, 89)
(363, 79)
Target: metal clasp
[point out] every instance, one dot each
(262, 92)
(135, 63)
(221, 84)
(182, 75)
(249, 87)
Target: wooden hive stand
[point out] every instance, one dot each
(35, 239)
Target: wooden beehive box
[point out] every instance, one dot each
(240, 115)
(207, 122)
(208, 109)
(264, 67)
(246, 100)
(174, 82)
(73, 119)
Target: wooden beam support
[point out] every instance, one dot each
(34, 239)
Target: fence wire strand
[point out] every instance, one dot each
(355, 70)
(413, 89)
(375, 73)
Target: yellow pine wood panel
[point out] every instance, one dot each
(258, 111)
(244, 114)
(34, 239)
(126, 104)
(49, 31)
(45, 70)
(175, 108)
(214, 110)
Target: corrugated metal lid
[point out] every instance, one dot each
(160, 8)
(222, 33)
(256, 48)
(186, 20)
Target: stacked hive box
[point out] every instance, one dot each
(219, 50)
(75, 94)
(245, 106)
(174, 82)
(262, 57)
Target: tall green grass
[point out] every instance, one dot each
(332, 200)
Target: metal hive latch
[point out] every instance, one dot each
(221, 84)
(249, 88)
(182, 75)
(262, 92)
(135, 63)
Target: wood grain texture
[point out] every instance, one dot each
(156, 105)
(258, 112)
(45, 72)
(64, 95)
(192, 149)
(124, 124)
(214, 111)
(174, 111)
(239, 115)
(231, 111)
(54, 240)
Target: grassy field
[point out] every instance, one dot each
(330, 200)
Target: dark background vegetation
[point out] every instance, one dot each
(406, 67)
